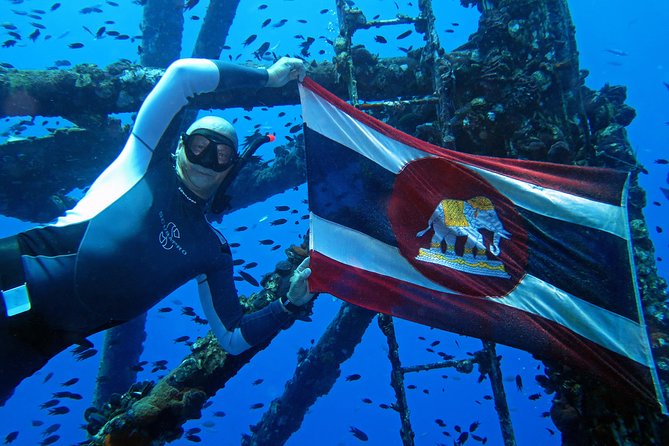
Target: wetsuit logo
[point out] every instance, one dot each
(169, 234)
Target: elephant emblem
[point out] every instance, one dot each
(454, 219)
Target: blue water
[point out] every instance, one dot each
(635, 29)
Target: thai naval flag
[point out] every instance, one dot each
(528, 254)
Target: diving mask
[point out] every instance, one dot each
(210, 149)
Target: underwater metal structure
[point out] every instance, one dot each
(521, 67)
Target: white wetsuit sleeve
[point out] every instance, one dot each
(181, 81)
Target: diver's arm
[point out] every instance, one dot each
(235, 330)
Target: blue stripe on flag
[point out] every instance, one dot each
(348, 188)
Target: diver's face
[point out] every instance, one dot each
(200, 180)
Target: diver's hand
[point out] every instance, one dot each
(299, 294)
(285, 70)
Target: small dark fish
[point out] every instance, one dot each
(353, 377)
(238, 262)
(384, 406)
(60, 410)
(48, 404)
(219, 414)
(411, 386)
(50, 440)
(11, 437)
(450, 30)
(122, 37)
(405, 34)
(266, 242)
(181, 339)
(62, 63)
(265, 23)
(86, 354)
(66, 394)
(280, 23)
(380, 39)
(282, 208)
(190, 4)
(34, 35)
(241, 228)
(113, 33)
(8, 43)
(357, 433)
(51, 429)
(195, 17)
(55, 6)
(275, 247)
(38, 25)
(616, 52)
(70, 382)
(278, 221)
(36, 423)
(263, 6)
(257, 381)
(235, 245)
(440, 422)
(295, 128)
(100, 32)
(48, 377)
(112, 3)
(324, 11)
(659, 229)
(249, 40)
(519, 383)
(534, 396)
(164, 309)
(76, 45)
(250, 265)
(462, 438)
(661, 161)
(249, 278)
(199, 320)
(257, 405)
(550, 431)
(475, 425)
(367, 401)
(89, 10)
(261, 50)
(194, 438)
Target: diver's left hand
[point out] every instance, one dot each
(299, 294)
(285, 70)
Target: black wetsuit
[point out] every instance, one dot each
(136, 236)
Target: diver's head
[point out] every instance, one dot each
(206, 153)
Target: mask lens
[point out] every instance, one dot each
(214, 155)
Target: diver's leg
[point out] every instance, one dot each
(18, 358)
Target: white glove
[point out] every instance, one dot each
(298, 293)
(285, 70)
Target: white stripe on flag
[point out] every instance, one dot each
(328, 120)
(344, 245)
(532, 295)
(559, 205)
(392, 155)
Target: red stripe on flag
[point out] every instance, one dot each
(604, 185)
(480, 318)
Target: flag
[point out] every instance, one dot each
(529, 254)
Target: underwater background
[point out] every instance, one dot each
(620, 43)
